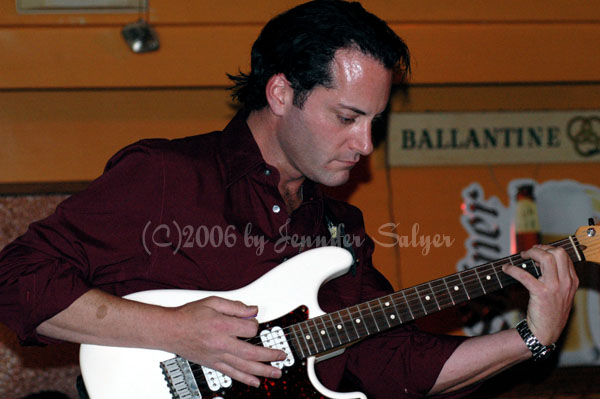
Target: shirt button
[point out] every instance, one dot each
(267, 172)
(276, 208)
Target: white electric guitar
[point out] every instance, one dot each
(291, 320)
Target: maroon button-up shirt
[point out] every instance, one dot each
(203, 212)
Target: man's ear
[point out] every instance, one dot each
(280, 94)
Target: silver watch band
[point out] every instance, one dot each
(539, 351)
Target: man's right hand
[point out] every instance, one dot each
(204, 331)
(208, 334)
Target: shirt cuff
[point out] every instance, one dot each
(43, 293)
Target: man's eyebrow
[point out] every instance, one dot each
(358, 111)
(354, 109)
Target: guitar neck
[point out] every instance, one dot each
(332, 330)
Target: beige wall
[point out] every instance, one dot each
(71, 94)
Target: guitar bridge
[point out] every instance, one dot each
(180, 379)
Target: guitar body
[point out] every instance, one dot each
(284, 296)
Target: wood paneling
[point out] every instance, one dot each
(200, 56)
(260, 11)
(48, 136)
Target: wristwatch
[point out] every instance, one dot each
(540, 351)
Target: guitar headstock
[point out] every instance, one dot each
(589, 241)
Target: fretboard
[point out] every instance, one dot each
(332, 330)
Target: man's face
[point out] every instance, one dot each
(326, 137)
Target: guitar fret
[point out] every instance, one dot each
(308, 340)
(318, 332)
(463, 284)
(298, 341)
(449, 292)
(425, 299)
(373, 316)
(394, 305)
(401, 306)
(383, 312)
(525, 265)
(342, 327)
(420, 300)
(350, 320)
(479, 279)
(488, 283)
(392, 302)
(361, 320)
(537, 272)
(441, 295)
(328, 330)
(458, 294)
(497, 277)
(434, 296)
(408, 305)
(333, 326)
(474, 285)
(531, 262)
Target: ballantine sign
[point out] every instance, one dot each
(428, 138)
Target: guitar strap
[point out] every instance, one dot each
(81, 388)
(338, 235)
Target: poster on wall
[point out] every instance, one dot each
(537, 212)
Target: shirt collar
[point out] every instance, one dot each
(241, 155)
(239, 152)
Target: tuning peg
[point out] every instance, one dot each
(591, 231)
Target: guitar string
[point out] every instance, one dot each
(196, 369)
(290, 339)
(414, 297)
(469, 280)
(379, 316)
(479, 285)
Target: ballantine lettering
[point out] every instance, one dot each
(486, 138)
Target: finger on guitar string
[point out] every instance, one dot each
(237, 375)
(255, 368)
(208, 334)
(526, 279)
(550, 297)
(568, 271)
(244, 362)
(546, 260)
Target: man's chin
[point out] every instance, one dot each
(335, 179)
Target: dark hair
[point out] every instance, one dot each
(301, 44)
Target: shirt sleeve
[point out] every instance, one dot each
(80, 246)
(403, 362)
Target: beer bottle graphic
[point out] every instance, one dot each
(527, 234)
(527, 222)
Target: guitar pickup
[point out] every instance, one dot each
(275, 339)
